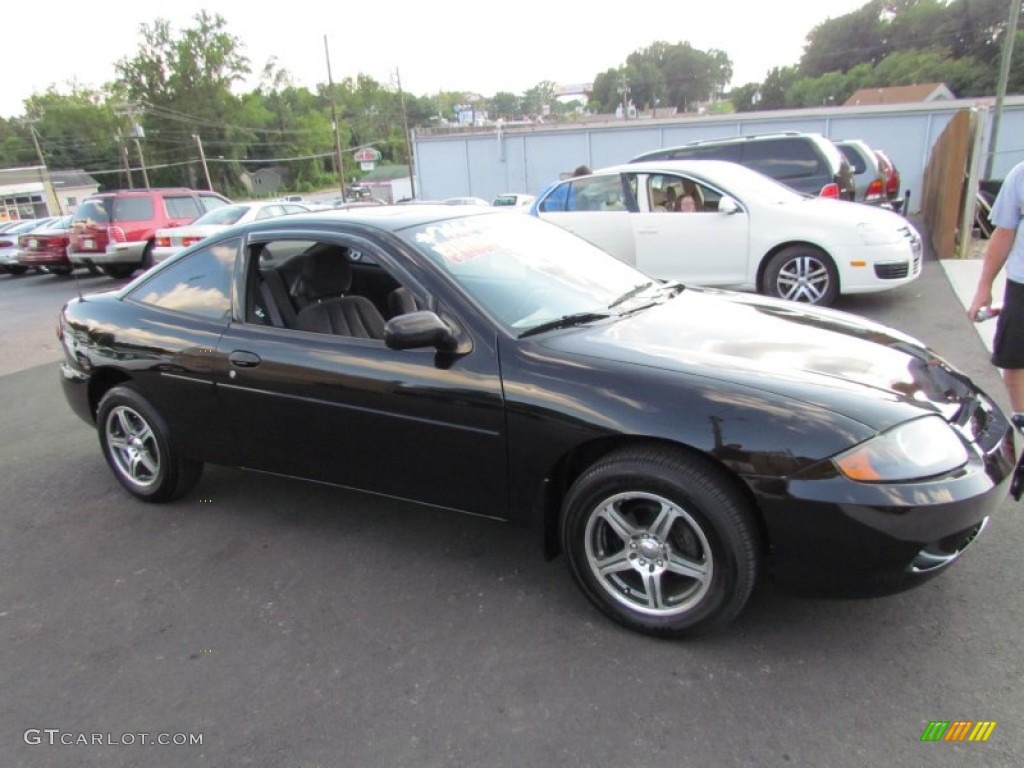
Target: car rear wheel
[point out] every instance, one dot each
(62, 271)
(802, 273)
(139, 448)
(661, 542)
(118, 271)
(18, 270)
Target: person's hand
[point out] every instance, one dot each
(982, 298)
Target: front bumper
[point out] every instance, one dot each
(831, 536)
(869, 268)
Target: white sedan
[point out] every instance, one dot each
(709, 222)
(170, 241)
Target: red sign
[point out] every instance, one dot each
(366, 155)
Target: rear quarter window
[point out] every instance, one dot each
(182, 207)
(785, 159)
(199, 284)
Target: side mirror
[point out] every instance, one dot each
(728, 205)
(416, 330)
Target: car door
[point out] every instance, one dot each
(597, 208)
(703, 247)
(351, 411)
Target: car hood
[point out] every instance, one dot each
(838, 361)
(841, 219)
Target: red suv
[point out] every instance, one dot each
(115, 230)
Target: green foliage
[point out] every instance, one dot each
(180, 85)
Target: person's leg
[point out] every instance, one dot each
(1013, 378)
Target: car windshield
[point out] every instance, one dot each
(229, 214)
(524, 272)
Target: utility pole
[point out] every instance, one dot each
(49, 193)
(137, 133)
(405, 128)
(339, 161)
(202, 158)
(123, 151)
(1004, 76)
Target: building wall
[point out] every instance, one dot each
(486, 162)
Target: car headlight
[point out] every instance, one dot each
(872, 234)
(921, 448)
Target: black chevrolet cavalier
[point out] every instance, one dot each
(674, 443)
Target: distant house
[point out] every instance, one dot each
(900, 94)
(33, 192)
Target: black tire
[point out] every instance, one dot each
(61, 271)
(139, 448)
(18, 270)
(118, 271)
(804, 274)
(661, 541)
(147, 257)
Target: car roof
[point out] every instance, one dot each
(390, 218)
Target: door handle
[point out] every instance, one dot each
(242, 359)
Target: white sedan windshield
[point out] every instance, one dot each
(525, 272)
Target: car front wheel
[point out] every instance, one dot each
(661, 541)
(138, 447)
(802, 273)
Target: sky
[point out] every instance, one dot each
(433, 45)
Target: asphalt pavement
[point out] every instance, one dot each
(296, 625)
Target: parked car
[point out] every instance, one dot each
(676, 443)
(892, 182)
(365, 202)
(513, 199)
(10, 250)
(808, 162)
(868, 176)
(46, 248)
(749, 232)
(169, 241)
(116, 231)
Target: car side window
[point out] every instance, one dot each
(199, 284)
(669, 193)
(182, 207)
(325, 287)
(597, 193)
(133, 209)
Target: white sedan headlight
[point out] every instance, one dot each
(872, 234)
(921, 448)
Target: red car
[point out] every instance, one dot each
(892, 178)
(46, 248)
(115, 232)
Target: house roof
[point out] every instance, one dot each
(900, 94)
(32, 174)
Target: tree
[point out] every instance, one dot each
(183, 84)
(505, 105)
(840, 44)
